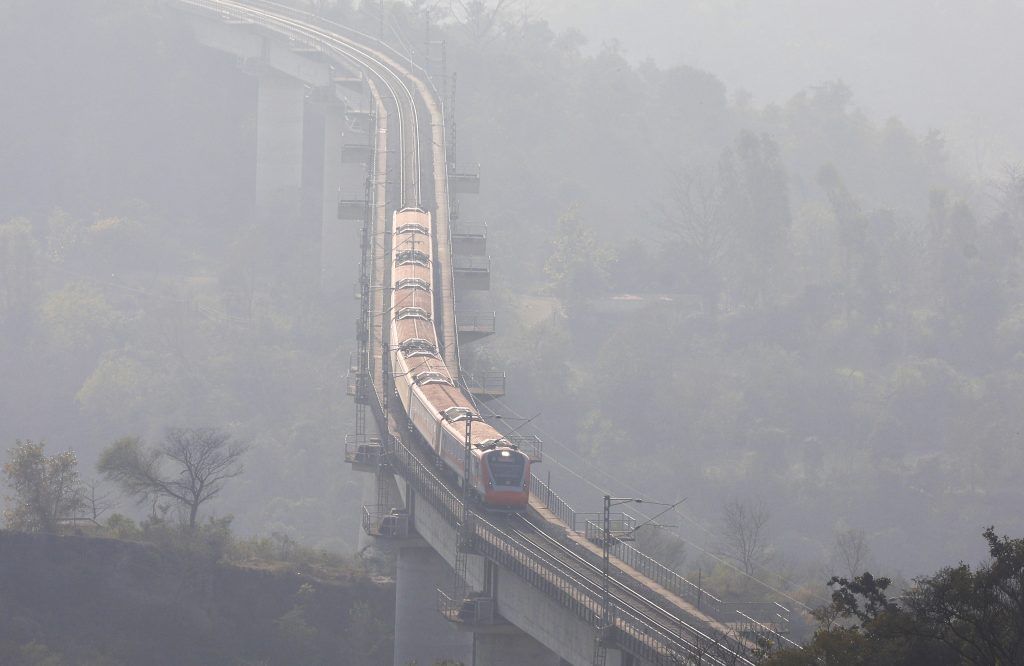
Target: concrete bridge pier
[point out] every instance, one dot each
(279, 142)
(338, 246)
(512, 648)
(422, 635)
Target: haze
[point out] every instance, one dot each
(934, 63)
(807, 300)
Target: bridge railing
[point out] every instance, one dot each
(667, 578)
(558, 579)
(478, 322)
(431, 488)
(552, 501)
(539, 569)
(632, 631)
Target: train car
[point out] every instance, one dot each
(438, 410)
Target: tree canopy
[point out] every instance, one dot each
(202, 461)
(46, 488)
(958, 615)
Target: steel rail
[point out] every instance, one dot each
(635, 622)
(682, 624)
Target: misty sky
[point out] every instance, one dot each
(948, 64)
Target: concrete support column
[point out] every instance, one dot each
(338, 236)
(279, 139)
(422, 635)
(511, 649)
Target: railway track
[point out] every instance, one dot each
(703, 644)
(417, 180)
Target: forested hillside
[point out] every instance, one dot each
(823, 322)
(133, 294)
(825, 318)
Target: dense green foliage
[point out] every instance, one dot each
(46, 488)
(822, 313)
(958, 615)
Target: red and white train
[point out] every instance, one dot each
(499, 472)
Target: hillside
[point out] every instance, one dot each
(97, 601)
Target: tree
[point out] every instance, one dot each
(204, 460)
(46, 488)
(698, 225)
(93, 502)
(662, 546)
(977, 613)
(745, 533)
(578, 265)
(850, 552)
(959, 615)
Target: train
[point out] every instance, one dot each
(436, 407)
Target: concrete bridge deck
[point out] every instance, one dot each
(538, 571)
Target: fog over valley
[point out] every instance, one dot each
(280, 300)
(939, 64)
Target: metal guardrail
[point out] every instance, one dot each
(477, 322)
(469, 230)
(552, 501)
(363, 451)
(554, 578)
(622, 526)
(770, 615)
(635, 634)
(383, 521)
(531, 445)
(475, 610)
(490, 382)
(468, 263)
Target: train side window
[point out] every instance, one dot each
(412, 257)
(413, 312)
(417, 347)
(413, 283)
(430, 377)
(412, 228)
(453, 414)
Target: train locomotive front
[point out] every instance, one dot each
(442, 414)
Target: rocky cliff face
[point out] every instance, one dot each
(84, 600)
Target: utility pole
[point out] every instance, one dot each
(607, 623)
(606, 601)
(465, 534)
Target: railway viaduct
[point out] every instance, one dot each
(476, 588)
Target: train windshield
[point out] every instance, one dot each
(507, 468)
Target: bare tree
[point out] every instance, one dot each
(697, 223)
(480, 18)
(698, 217)
(93, 502)
(850, 553)
(204, 459)
(745, 533)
